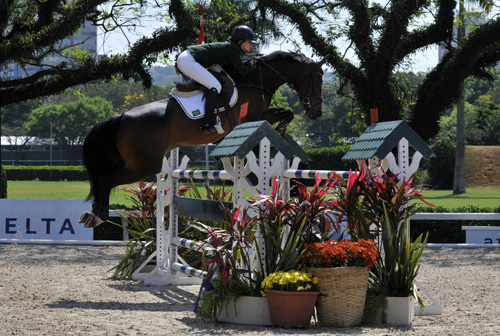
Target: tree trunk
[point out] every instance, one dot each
(1, 166)
(459, 174)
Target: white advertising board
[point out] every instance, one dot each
(482, 234)
(44, 219)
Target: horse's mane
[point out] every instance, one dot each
(288, 55)
(281, 55)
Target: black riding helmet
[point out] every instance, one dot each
(243, 33)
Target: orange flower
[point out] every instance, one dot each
(341, 253)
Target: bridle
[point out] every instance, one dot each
(305, 99)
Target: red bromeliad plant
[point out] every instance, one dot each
(309, 206)
(287, 225)
(231, 243)
(140, 228)
(229, 264)
(312, 203)
(281, 231)
(347, 197)
(361, 199)
(385, 192)
(343, 253)
(144, 199)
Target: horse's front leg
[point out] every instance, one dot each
(282, 115)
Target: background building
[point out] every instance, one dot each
(86, 39)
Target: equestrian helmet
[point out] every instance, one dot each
(243, 33)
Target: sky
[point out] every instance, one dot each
(421, 61)
(117, 43)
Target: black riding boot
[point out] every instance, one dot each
(210, 105)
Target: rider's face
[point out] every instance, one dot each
(246, 46)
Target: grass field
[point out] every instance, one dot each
(483, 197)
(62, 189)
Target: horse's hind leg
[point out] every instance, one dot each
(100, 205)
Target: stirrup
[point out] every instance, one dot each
(218, 126)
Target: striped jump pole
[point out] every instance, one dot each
(188, 270)
(193, 245)
(311, 174)
(201, 174)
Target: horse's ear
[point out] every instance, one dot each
(317, 66)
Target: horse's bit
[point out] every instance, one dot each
(305, 99)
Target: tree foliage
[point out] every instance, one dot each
(381, 37)
(68, 123)
(31, 30)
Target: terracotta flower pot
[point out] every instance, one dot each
(291, 309)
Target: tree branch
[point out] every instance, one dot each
(140, 56)
(479, 50)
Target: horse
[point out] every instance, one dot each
(130, 147)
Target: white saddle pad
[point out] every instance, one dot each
(194, 106)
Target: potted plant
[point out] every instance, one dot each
(395, 273)
(278, 234)
(389, 203)
(291, 297)
(342, 268)
(229, 269)
(285, 226)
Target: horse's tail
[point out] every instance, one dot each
(100, 154)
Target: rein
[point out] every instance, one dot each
(306, 100)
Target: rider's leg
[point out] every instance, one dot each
(210, 105)
(188, 65)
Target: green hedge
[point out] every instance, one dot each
(448, 232)
(330, 158)
(46, 173)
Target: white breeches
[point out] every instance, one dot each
(188, 65)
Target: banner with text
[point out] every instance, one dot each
(47, 219)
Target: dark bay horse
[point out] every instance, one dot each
(130, 147)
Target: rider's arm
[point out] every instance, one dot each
(234, 57)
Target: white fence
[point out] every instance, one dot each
(482, 236)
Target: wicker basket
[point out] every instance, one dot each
(343, 293)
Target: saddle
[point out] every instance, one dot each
(191, 89)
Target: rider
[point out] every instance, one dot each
(194, 61)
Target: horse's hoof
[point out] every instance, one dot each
(90, 220)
